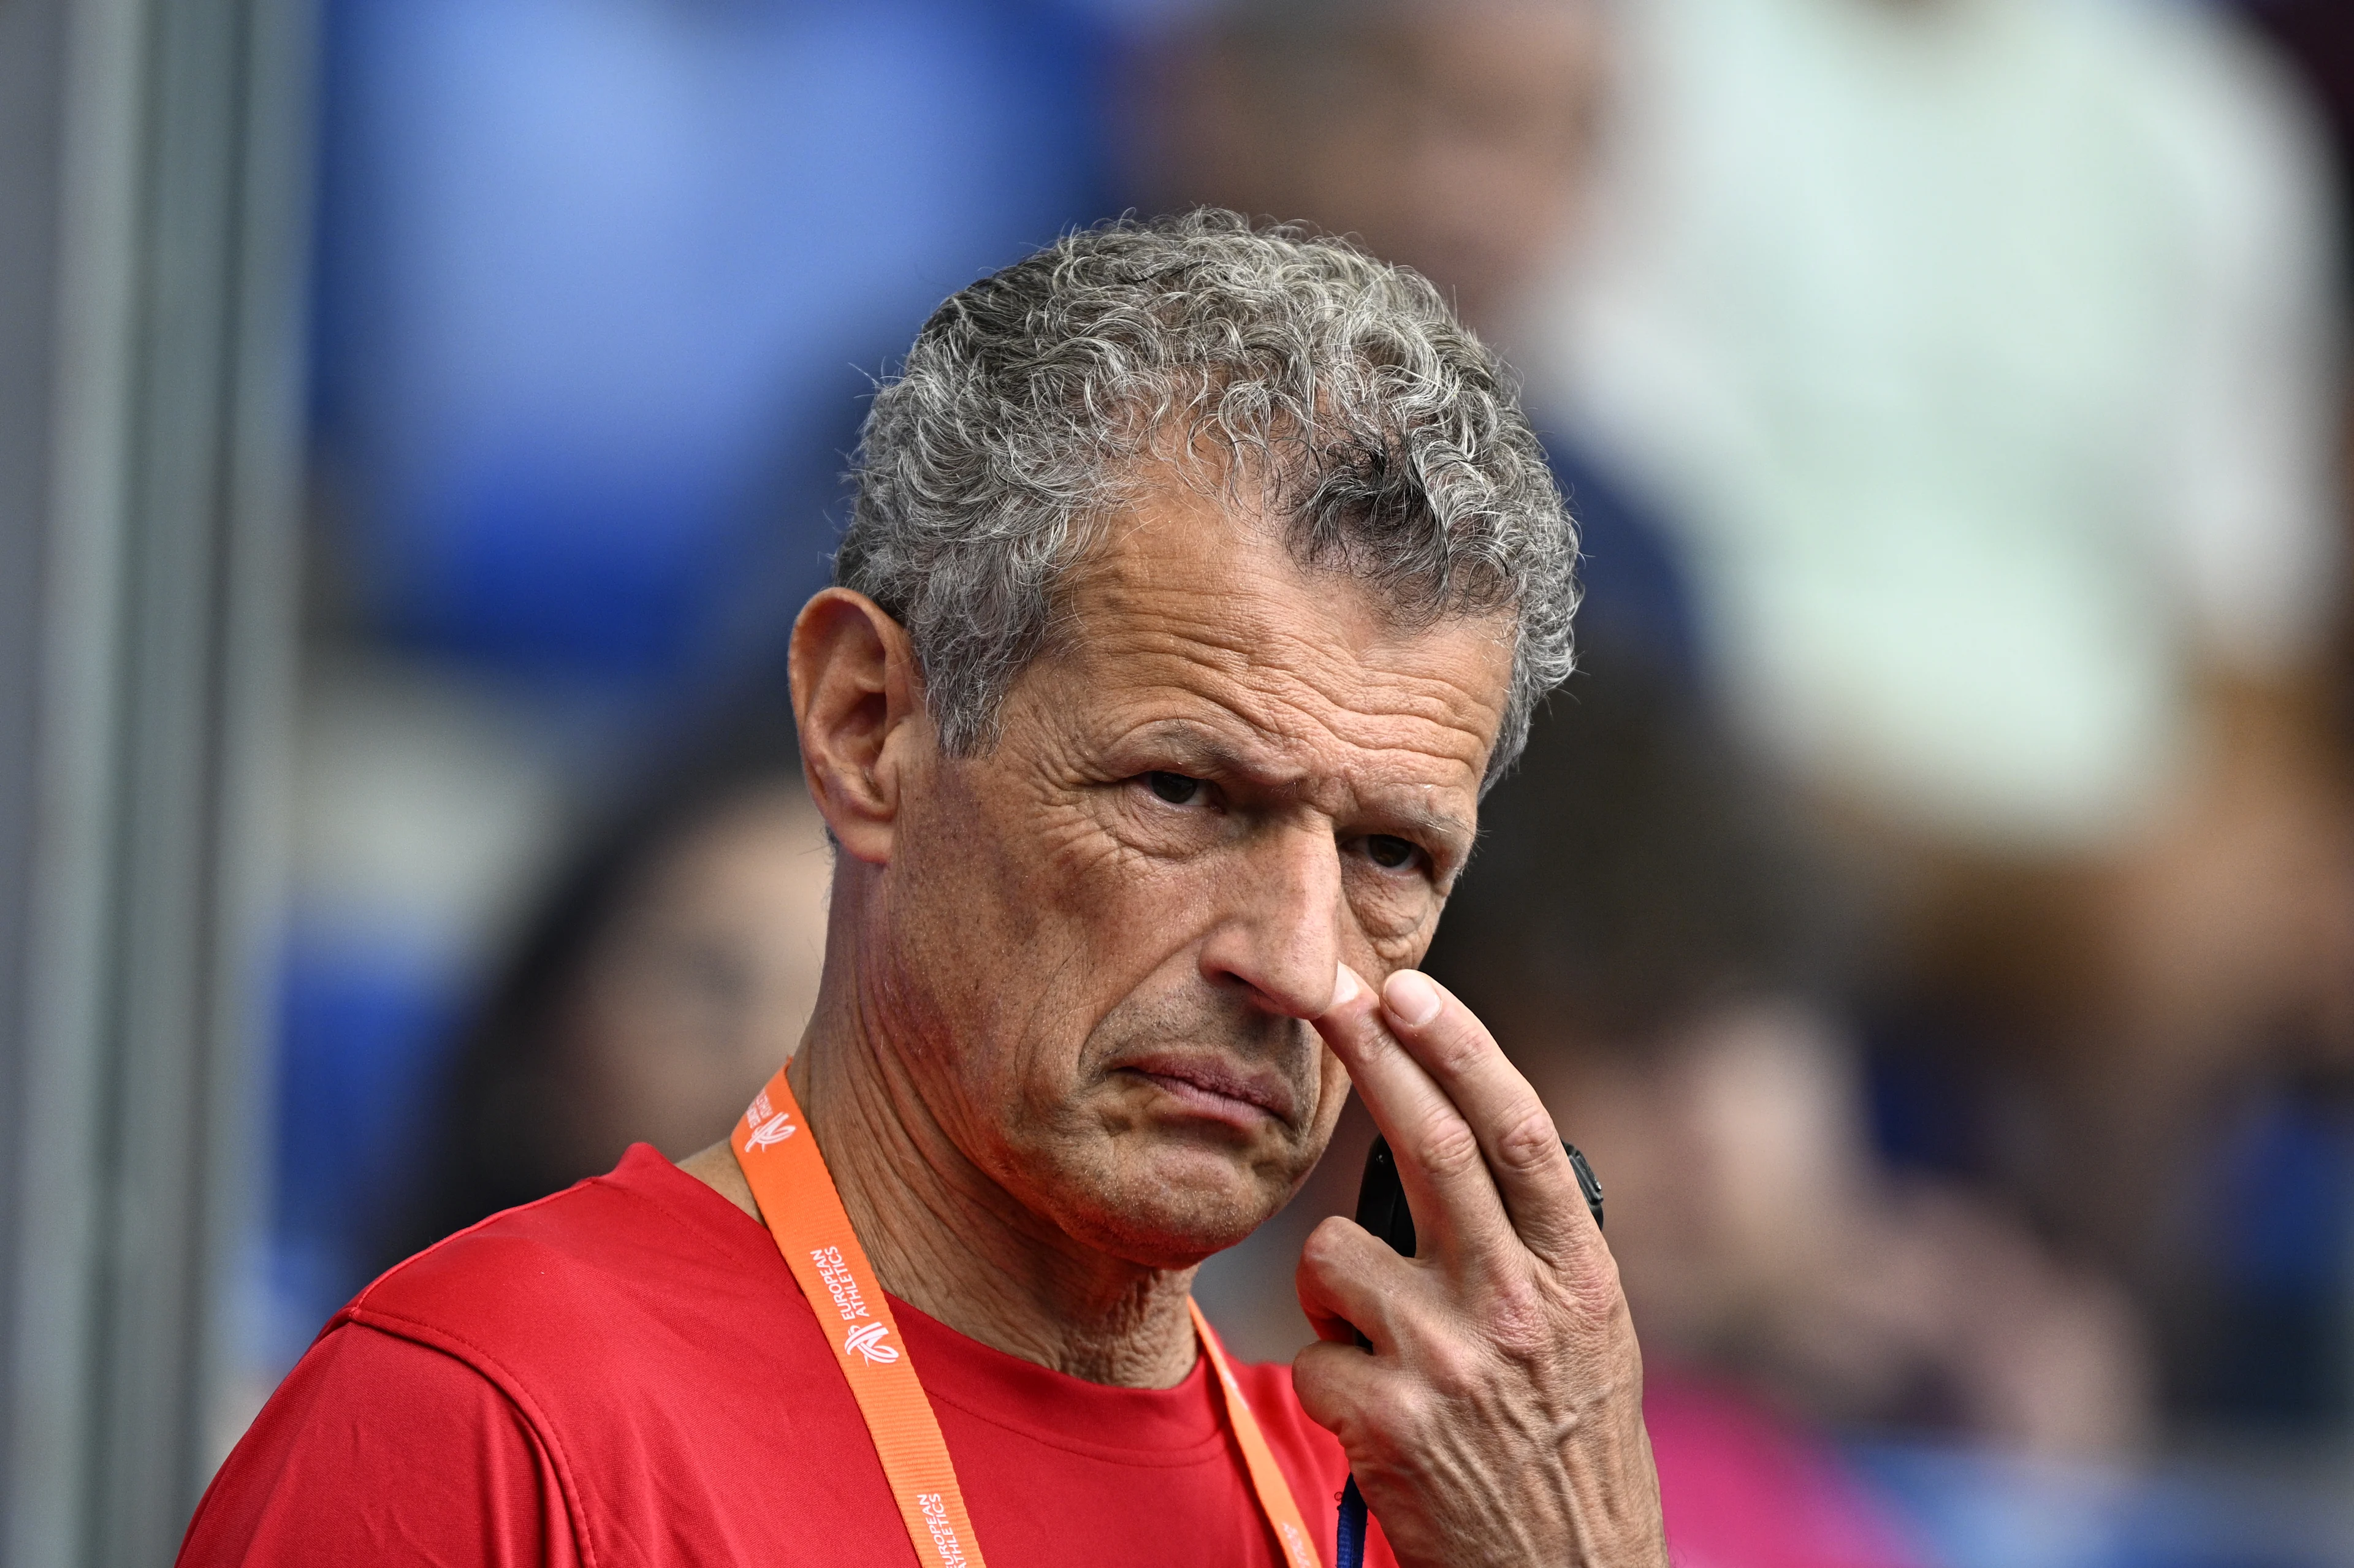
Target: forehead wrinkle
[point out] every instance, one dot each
(1191, 595)
(1208, 532)
(1234, 631)
(1309, 704)
(1295, 718)
(1306, 700)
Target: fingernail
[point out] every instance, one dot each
(1344, 986)
(1412, 997)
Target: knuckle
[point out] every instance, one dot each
(1531, 1142)
(1598, 1278)
(1447, 1147)
(1376, 1044)
(1518, 1315)
(1327, 1245)
(1458, 1046)
(1594, 1299)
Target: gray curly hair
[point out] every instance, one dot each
(1036, 402)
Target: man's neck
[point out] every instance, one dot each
(946, 1238)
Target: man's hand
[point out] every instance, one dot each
(1498, 1418)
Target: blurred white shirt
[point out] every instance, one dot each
(1986, 351)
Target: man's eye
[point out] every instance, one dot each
(1389, 852)
(1175, 788)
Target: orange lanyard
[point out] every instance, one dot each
(804, 1209)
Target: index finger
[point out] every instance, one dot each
(1440, 1159)
(1532, 1175)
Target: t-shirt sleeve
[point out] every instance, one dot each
(379, 1450)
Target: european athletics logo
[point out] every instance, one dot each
(868, 1340)
(767, 1129)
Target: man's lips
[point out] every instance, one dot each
(1218, 1087)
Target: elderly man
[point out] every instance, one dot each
(1198, 580)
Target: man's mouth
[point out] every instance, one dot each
(1217, 1088)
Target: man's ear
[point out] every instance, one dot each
(860, 705)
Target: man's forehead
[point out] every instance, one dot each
(1192, 604)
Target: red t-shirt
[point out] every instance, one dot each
(626, 1373)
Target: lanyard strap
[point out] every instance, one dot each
(1267, 1477)
(803, 1209)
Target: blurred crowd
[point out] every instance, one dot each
(1931, 906)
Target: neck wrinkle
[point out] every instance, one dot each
(945, 1237)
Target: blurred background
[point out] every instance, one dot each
(1932, 906)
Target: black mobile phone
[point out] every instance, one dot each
(1381, 1197)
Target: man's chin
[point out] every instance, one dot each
(1175, 1208)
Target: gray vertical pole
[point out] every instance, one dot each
(32, 56)
(74, 524)
(136, 870)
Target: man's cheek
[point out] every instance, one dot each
(1086, 849)
(1131, 911)
(1403, 945)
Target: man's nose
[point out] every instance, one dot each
(1280, 935)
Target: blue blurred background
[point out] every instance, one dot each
(1950, 388)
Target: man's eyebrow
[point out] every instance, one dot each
(1197, 747)
(1193, 747)
(1443, 828)
(1441, 824)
